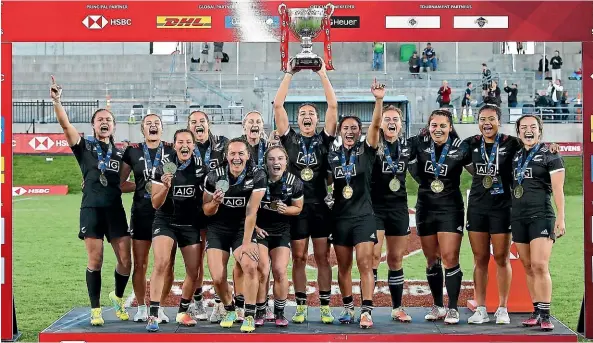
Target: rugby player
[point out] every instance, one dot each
(307, 154)
(283, 199)
(101, 212)
(232, 195)
(538, 175)
(173, 195)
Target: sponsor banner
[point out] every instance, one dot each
(40, 143)
(18, 191)
(99, 22)
(183, 22)
(413, 22)
(233, 22)
(570, 149)
(344, 22)
(486, 22)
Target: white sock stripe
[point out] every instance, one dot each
(433, 274)
(397, 278)
(453, 272)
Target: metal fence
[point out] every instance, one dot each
(175, 115)
(42, 111)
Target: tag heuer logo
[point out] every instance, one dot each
(412, 22)
(94, 22)
(481, 22)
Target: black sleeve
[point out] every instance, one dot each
(554, 163)
(127, 158)
(466, 151)
(210, 182)
(327, 139)
(370, 151)
(412, 144)
(78, 148)
(259, 180)
(297, 193)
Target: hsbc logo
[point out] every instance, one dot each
(18, 191)
(41, 143)
(98, 22)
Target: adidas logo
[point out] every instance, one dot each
(545, 232)
(408, 229)
(156, 232)
(141, 159)
(373, 236)
(460, 228)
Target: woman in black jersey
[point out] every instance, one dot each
(283, 199)
(351, 167)
(307, 153)
(101, 212)
(390, 204)
(174, 190)
(209, 150)
(232, 196)
(253, 129)
(440, 157)
(539, 175)
(143, 159)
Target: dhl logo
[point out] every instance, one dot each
(179, 22)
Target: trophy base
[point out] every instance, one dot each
(307, 62)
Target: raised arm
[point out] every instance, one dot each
(331, 115)
(70, 131)
(378, 91)
(280, 115)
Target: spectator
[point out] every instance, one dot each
(541, 69)
(429, 58)
(218, 55)
(520, 49)
(414, 64)
(564, 101)
(512, 93)
(466, 101)
(204, 56)
(556, 63)
(555, 90)
(494, 92)
(444, 98)
(486, 77)
(577, 75)
(378, 49)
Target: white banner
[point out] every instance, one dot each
(477, 22)
(413, 22)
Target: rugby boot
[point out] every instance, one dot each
(300, 316)
(120, 307)
(240, 315)
(546, 323)
(533, 320)
(347, 316)
(480, 316)
(260, 318)
(229, 319)
(141, 315)
(248, 325)
(270, 314)
(217, 313)
(281, 321)
(452, 316)
(327, 317)
(153, 324)
(502, 316)
(162, 318)
(436, 313)
(97, 317)
(366, 321)
(183, 318)
(400, 315)
(197, 311)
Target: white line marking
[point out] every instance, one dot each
(23, 199)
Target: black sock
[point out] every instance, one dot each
(230, 308)
(324, 297)
(184, 305)
(93, 285)
(395, 280)
(249, 310)
(375, 275)
(544, 308)
(301, 298)
(217, 299)
(198, 294)
(120, 284)
(536, 307)
(154, 308)
(240, 301)
(434, 276)
(279, 306)
(453, 278)
(367, 306)
(260, 309)
(348, 302)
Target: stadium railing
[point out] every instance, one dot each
(42, 111)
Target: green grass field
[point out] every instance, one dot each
(49, 259)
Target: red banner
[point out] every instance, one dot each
(18, 191)
(570, 149)
(137, 21)
(6, 191)
(40, 144)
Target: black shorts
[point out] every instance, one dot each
(184, 235)
(141, 225)
(311, 222)
(430, 223)
(494, 222)
(349, 232)
(526, 230)
(395, 221)
(275, 240)
(99, 222)
(224, 240)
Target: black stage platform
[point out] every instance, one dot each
(75, 326)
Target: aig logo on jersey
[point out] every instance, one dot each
(387, 167)
(481, 169)
(234, 202)
(428, 168)
(528, 173)
(302, 159)
(213, 164)
(113, 165)
(339, 172)
(184, 191)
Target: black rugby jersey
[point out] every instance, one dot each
(537, 185)
(498, 197)
(94, 194)
(214, 147)
(383, 197)
(450, 174)
(134, 156)
(182, 200)
(288, 189)
(232, 211)
(362, 170)
(315, 190)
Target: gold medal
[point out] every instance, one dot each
(103, 180)
(347, 192)
(307, 174)
(437, 186)
(518, 191)
(487, 182)
(394, 185)
(148, 187)
(274, 205)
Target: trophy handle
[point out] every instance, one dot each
(281, 8)
(331, 8)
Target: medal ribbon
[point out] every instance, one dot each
(327, 45)
(240, 178)
(283, 180)
(493, 154)
(284, 35)
(350, 166)
(309, 152)
(184, 165)
(522, 167)
(103, 161)
(260, 153)
(206, 155)
(153, 165)
(393, 165)
(436, 167)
